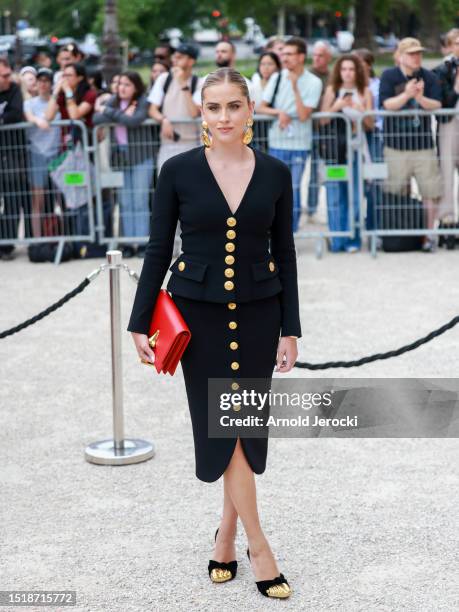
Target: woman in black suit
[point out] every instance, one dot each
(235, 284)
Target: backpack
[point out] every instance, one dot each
(168, 81)
(398, 211)
(46, 251)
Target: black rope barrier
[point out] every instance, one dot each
(298, 364)
(44, 313)
(378, 356)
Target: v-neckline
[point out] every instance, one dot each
(206, 161)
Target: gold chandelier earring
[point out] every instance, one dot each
(248, 132)
(205, 134)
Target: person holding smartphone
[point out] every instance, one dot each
(171, 100)
(347, 93)
(128, 109)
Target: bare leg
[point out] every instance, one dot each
(431, 208)
(241, 487)
(224, 546)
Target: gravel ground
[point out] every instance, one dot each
(356, 524)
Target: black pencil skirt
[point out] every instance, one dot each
(227, 341)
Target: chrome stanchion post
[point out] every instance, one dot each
(114, 265)
(117, 451)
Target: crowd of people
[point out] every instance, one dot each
(283, 89)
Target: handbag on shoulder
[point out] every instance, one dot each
(169, 334)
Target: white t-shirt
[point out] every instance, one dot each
(257, 89)
(156, 94)
(45, 142)
(298, 136)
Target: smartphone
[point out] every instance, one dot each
(176, 136)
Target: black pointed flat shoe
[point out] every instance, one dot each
(276, 587)
(220, 571)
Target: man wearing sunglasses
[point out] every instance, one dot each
(10, 181)
(163, 53)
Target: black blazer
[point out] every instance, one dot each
(226, 257)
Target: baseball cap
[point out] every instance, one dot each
(28, 69)
(187, 49)
(45, 72)
(410, 45)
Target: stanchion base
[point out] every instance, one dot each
(133, 451)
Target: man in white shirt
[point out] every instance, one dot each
(298, 94)
(172, 105)
(225, 56)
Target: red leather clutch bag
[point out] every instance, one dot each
(169, 334)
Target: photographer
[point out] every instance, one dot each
(408, 142)
(448, 129)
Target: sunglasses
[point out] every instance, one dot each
(160, 57)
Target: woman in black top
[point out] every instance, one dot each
(237, 293)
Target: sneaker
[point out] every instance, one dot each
(352, 249)
(429, 245)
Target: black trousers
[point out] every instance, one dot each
(209, 355)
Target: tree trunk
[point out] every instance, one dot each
(364, 24)
(281, 21)
(430, 29)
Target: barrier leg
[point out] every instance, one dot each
(119, 450)
(319, 247)
(373, 245)
(59, 250)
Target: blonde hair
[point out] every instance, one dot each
(226, 75)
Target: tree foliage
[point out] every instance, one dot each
(141, 21)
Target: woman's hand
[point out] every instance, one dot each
(360, 105)
(58, 87)
(131, 108)
(340, 104)
(65, 86)
(144, 350)
(287, 349)
(100, 102)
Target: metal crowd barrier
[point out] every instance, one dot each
(408, 174)
(45, 184)
(355, 183)
(331, 184)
